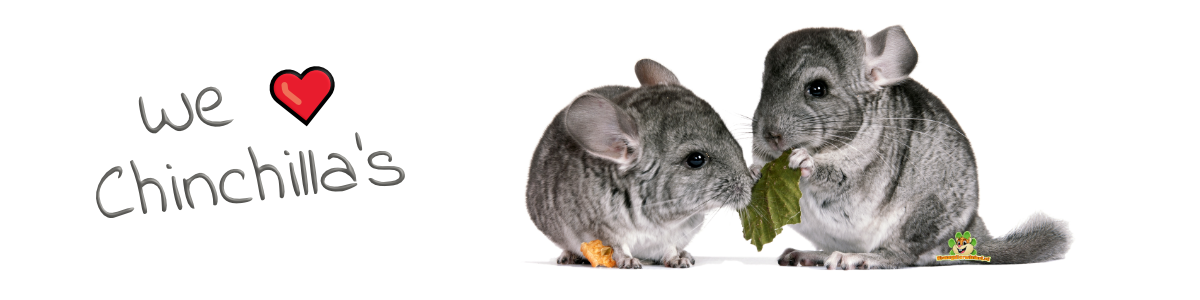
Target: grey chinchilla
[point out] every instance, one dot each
(888, 175)
(637, 169)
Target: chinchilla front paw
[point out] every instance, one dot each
(755, 171)
(801, 160)
(793, 257)
(628, 263)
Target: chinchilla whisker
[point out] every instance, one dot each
(860, 152)
(914, 131)
(894, 127)
(889, 138)
(828, 116)
(928, 120)
(856, 131)
(844, 144)
(904, 144)
(793, 215)
(758, 211)
(663, 202)
(708, 217)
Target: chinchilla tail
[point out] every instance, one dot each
(1038, 239)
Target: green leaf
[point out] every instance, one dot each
(967, 235)
(958, 235)
(774, 202)
(951, 243)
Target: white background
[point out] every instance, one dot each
(1083, 111)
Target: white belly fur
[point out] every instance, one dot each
(858, 230)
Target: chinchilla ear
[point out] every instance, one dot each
(650, 73)
(603, 129)
(890, 57)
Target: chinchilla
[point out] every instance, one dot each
(637, 169)
(888, 176)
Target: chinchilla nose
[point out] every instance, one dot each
(774, 139)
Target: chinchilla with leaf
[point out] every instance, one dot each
(637, 169)
(888, 175)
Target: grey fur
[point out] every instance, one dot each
(612, 166)
(890, 175)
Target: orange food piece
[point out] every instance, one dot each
(598, 254)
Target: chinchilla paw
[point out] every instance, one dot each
(793, 257)
(801, 160)
(684, 260)
(860, 261)
(570, 258)
(628, 263)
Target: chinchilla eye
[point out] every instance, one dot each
(816, 88)
(696, 159)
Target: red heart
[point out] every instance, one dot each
(302, 94)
